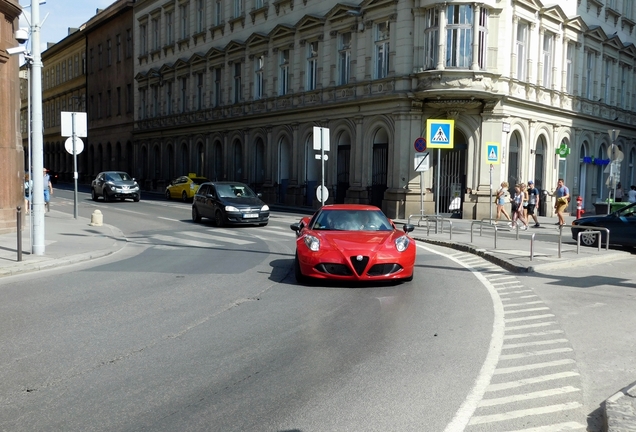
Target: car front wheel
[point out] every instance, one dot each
(218, 218)
(184, 196)
(196, 216)
(94, 195)
(168, 194)
(300, 277)
(589, 238)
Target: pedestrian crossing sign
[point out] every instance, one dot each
(440, 133)
(493, 155)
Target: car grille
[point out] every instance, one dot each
(334, 269)
(384, 269)
(359, 265)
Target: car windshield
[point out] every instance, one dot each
(352, 220)
(118, 176)
(236, 190)
(628, 211)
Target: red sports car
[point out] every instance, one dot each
(352, 242)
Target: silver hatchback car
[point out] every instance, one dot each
(114, 185)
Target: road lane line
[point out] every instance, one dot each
(168, 219)
(524, 413)
(557, 427)
(528, 396)
(528, 381)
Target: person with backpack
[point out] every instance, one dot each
(500, 201)
(28, 187)
(533, 202)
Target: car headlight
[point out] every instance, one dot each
(312, 243)
(265, 208)
(402, 243)
(192, 186)
(231, 209)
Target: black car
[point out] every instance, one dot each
(115, 185)
(621, 225)
(229, 203)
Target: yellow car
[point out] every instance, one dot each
(184, 187)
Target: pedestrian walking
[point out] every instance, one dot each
(533, 202)
(28, 187)
(562, 194)
(517, 209)
(500, 200)
(48, 189)
(631, 195)
(618, 194)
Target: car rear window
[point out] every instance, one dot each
(199, 180)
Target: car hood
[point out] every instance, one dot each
(357, 241)
(121, 183)
(243, 202)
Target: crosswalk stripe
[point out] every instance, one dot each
(515, 292)
(526, 326)
(520, 297)
(523, 304)
(184, 242)
(524, 335)
(535, 343)
(524, 413)
(528, 381)
(235, 240)
(516, 311)
(513, 369)
(528, 318)
(557, 427)
(535, 353)
(528, 396)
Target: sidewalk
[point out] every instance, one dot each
(69, 241)
(66, 241)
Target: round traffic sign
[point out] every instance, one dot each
(79, 145)
(420, 144)
(322, 191)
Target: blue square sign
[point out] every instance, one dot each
(440, 133)
(493, 155)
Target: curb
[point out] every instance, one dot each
(619, 410)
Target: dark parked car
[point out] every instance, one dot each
(230, 203)
(621, 224)
(115, 185)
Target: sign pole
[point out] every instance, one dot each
(322, 175)
(491, 168)
(74, 166)
(439, 167)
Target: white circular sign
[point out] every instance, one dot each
(322, 191)
(79, 145)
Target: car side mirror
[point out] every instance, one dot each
(295, 227)
(408, 228)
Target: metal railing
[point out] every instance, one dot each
(481, 225)
(437, 219)
(593, 232)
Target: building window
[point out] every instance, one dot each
(217, 86)
(169, 28)
(548, 39)
(522, 51)
(259, 64)
(129, 43)
(109, 103)
(200, 91)
(184, 95)
(183, 12)
(482, 38)
(109, 52)
(238, 8)
(100, 56)
(156, 38)
(382, 50)
(283, 73)
(591, 65)
(63, 71)
(77, 70)
(218, 12)
(607, 98)
(118, 47)
(70, 68)
(143, 39)
(623, 90)
(459, 36)
(168, 87)
(155, 101)
(200, 16)
(100, 104)
(129, 98)
(237, 82)
(431, 38)
(118, 101)
(344, 58)
(312, 65)
(569, 68)
(628, 9)
(142, 103)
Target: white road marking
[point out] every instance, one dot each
(183, 242)
(513, 369)
(526, 310)
(528, 318)
(523, 304)
(516, 292)
(533, 380)
(535, 343)
(557, 427)
(528, 396)
(168, 219)
(526, 326)
(201, 235)
(535, 353)
(524, 413)
(524, 335)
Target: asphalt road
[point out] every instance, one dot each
(191, 327)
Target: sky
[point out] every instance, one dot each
(62, 15)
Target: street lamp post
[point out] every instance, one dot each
(37, 200)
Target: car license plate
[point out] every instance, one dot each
(250, 215)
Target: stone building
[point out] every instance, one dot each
(11, 153)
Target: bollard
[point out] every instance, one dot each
(97, 218)
(19, 231)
